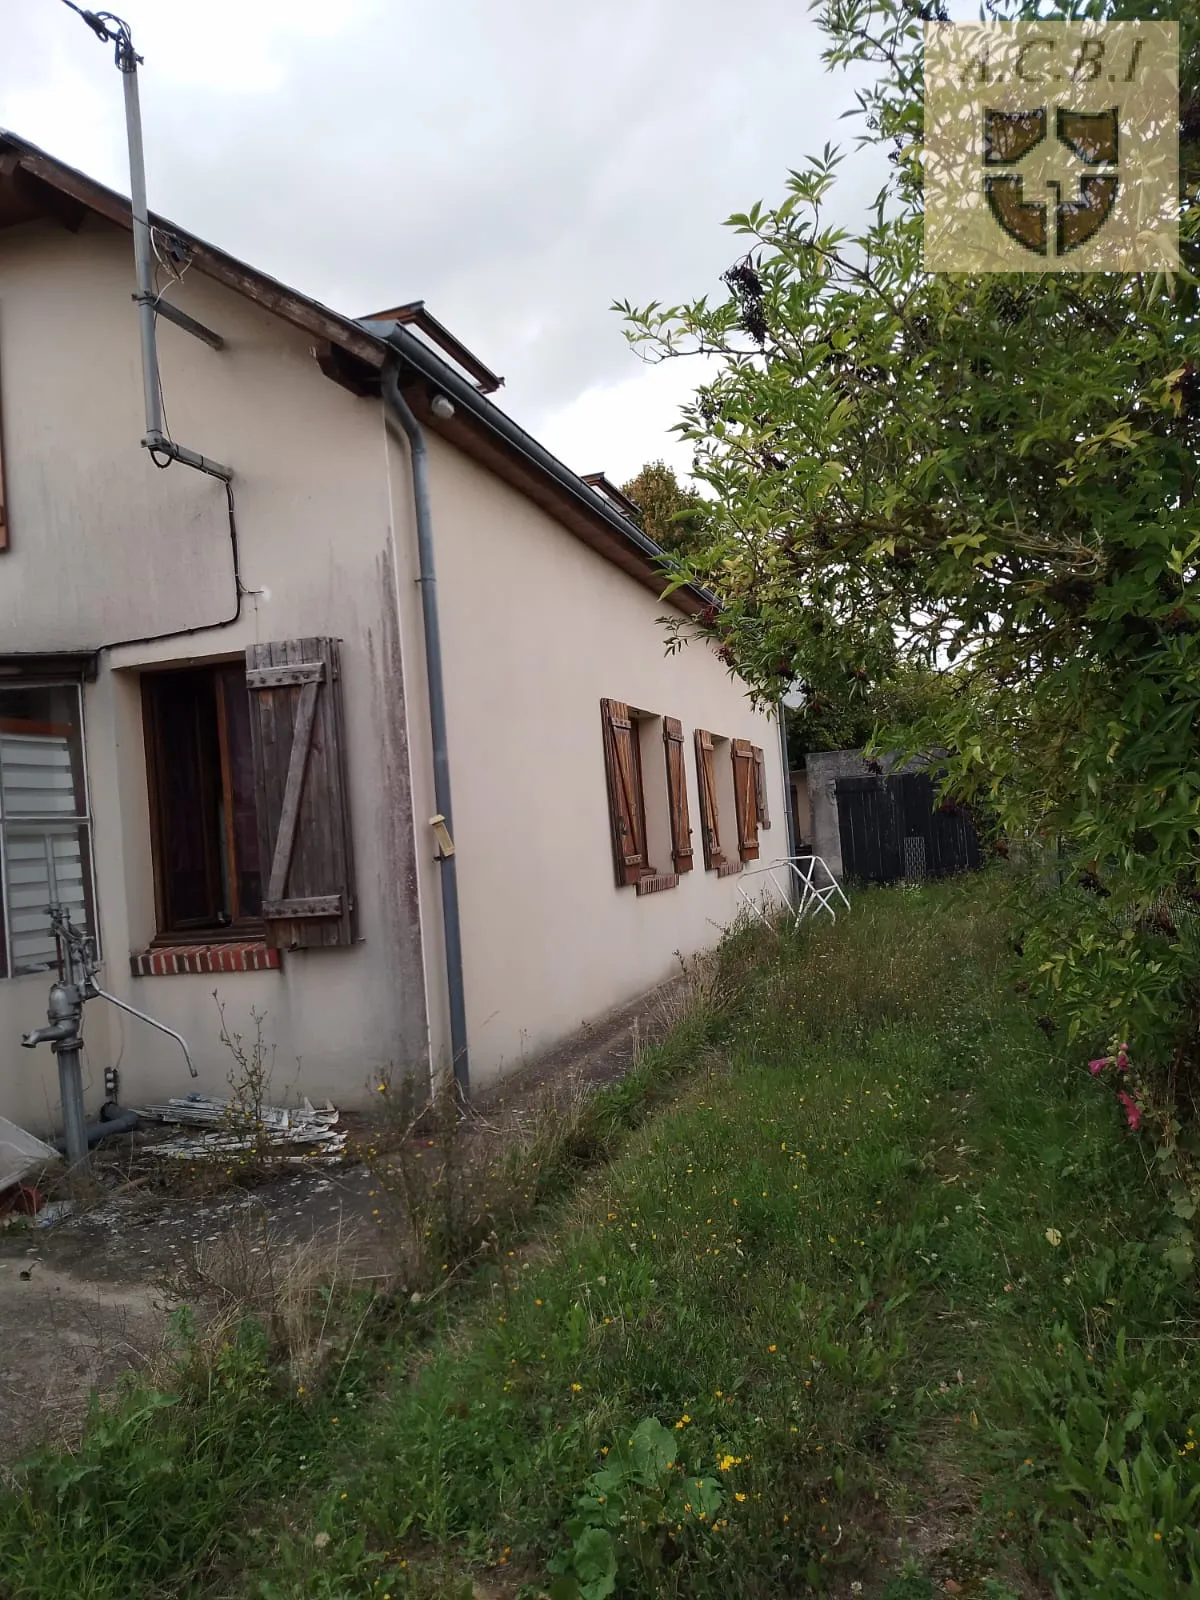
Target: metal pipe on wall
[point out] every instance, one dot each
(789, 814)
(127, 62)
(120, 1121)
(427, 579)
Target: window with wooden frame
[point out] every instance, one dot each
(729, 778)
(248, 798)
(203, 814)
(45, 824)
(647, 797)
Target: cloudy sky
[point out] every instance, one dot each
(517, 164)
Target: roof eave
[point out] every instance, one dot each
(625, 542)
(288, 304)
(587, 512)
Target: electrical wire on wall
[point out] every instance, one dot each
(153, 249)
(240, 591)
(161, 241)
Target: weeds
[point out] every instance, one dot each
(873, 1275)
(142, 1506)
(249, 1079)
(829, 1271)
(451, 1186)
(635, 1517)
(308, 1298)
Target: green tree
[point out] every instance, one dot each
(999, 470)
(675, 517)
(895, 709)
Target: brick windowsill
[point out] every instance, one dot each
(730, 869)
(656, 882)
(167, 961)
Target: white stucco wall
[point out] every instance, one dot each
(105, 546)
(537, 629)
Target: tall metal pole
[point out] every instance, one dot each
(115, 32)
(127, 61)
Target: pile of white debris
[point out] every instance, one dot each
(293, 1134)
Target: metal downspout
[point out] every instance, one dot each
(451, 927)
(419, 359)
(789, 814)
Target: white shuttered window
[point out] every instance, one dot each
(45, 855)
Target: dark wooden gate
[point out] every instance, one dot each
(894, 828)
(870, 830)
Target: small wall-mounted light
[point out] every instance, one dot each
(442, 407)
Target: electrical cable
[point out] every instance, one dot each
(176, 276)
(112, 30)
(109, 29)
(201, 627)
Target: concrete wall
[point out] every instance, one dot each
(823, 768)
(802, 811)
(537, 629)
(105, 546)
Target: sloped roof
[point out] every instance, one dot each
(353, 351)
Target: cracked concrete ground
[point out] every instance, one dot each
(89, 1298)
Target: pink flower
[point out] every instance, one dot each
(1097, 1066)
(1133, 1112)
(1122, 1060)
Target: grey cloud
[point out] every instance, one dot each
(518, 164)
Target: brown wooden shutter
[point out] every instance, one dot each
(743, 798)
(760, 788)
(710, 822)
(300, 790)
(625, 810)
(677, 800)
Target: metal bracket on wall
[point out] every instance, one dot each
(441, 833)
(164, 308)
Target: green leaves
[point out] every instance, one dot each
(594, 1559)
(995, 472)
(637, 1504)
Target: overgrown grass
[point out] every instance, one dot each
(883, 1271)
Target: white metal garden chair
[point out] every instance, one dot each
(807, 877)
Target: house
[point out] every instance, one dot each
(233, 713)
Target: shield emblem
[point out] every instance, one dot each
(1090, 136)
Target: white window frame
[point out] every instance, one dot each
(84, 820)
